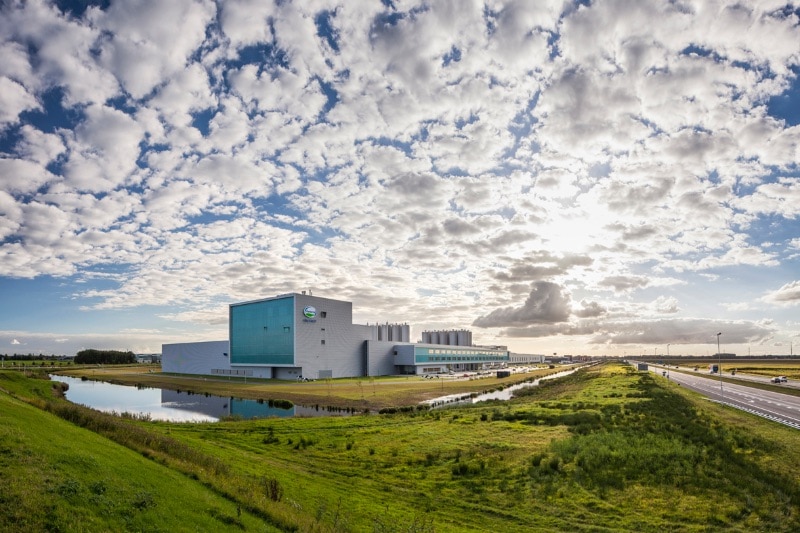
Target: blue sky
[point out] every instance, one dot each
(570, 177)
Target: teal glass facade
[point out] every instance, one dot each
(262, 333)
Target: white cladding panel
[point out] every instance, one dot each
(380, 358)
(329, 344)
(195, 357)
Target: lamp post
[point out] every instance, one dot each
(667, 361)
(719, 369)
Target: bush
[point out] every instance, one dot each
(272, 488)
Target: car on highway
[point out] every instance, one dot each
(778, 379)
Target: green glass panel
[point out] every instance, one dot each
(262, 333)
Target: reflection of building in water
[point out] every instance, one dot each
(219, 407)
(215, 406)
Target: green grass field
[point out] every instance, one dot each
(59, 477)
(606, 449)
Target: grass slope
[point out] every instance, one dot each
(58, 477)
(606, 449)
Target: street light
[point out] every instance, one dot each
(667, 361)
(719, 369)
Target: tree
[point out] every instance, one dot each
(104, 357)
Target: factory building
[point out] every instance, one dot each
(526, 359)
(297, 335)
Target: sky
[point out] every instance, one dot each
(590, 178)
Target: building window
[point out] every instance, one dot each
(322, 341)
(287, 329)
(323, 314)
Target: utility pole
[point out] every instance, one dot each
(719, 369)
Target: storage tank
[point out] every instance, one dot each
(452, 338)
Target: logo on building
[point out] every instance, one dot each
(309, 311)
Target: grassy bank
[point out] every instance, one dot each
(59, 477)
(606, 449)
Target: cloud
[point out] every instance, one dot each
(681, 331)
(546, 304)
(14, 99)
(625, 283)
(104, 150)
(665, 305)
(590, 310)
(410, 157)
(787, 294)
(687, 331)
(141, 46)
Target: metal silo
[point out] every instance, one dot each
(452, 338)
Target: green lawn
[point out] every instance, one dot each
(606, 449)
(58, 477)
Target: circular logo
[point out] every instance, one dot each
(309, 311)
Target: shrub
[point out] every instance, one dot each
(272, 489)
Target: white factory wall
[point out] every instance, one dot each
(208, 357)
(326, 346)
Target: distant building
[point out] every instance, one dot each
(148, 358)
(295, 336)
(526, 359)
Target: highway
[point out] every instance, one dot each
(782, 408)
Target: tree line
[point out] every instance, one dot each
(104, 357)
(31, 357)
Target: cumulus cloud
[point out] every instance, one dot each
(787, 294)
(142, 48)
(590, 310)
(547, 303)
(14, 99)
(408, 156)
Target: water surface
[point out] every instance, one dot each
(174, 406)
